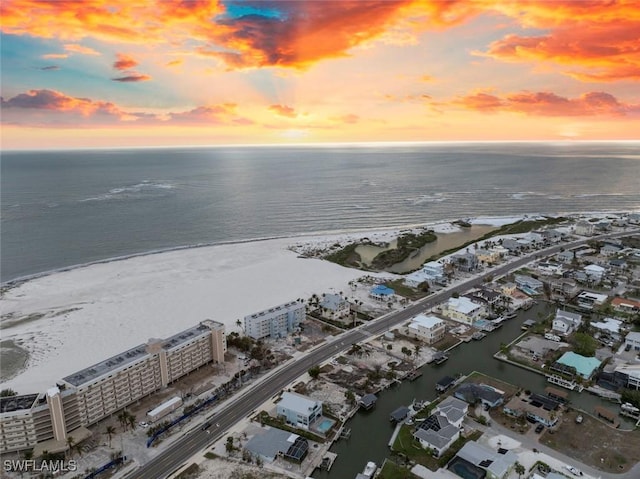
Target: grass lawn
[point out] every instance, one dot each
(406, 445)
(390, 470)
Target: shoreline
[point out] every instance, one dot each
(125, 303)
(479, 220)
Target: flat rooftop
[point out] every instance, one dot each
(184, 336)
(134, 354)
(286, 307)
(114, 362)
(17, 403)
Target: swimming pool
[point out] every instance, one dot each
(324, 425)
(465, 469)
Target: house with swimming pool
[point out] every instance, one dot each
(303, 412)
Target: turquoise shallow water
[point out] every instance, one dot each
(65, 208)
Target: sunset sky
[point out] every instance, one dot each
(111, 73)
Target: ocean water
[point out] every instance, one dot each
(63, 208)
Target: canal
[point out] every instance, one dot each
(371, 430)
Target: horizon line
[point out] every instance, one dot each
(318, 144)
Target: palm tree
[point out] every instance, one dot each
(122, 418)
(417, 348)
(519, 469)
(110, 431)
(70, 442)
(131, 419)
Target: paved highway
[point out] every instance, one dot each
(247, 401)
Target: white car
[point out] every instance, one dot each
(574, 471)
(144, 424)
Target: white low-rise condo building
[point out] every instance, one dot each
(275, 322)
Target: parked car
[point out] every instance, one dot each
(143, 424)
(579, 419)
(539, 428)
(574, 471)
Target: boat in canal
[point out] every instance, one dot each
(368, 471)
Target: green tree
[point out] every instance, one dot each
(7, 393)
(519, 469)
(314, 372)
(584, 344)
(229, 445)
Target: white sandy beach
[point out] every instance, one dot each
(120, 304)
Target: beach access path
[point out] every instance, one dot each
(246, 404)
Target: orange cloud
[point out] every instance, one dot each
(49, 108)
(124, 62)
(75, 48)
(132, 77)
(213, 114)
(283, 110)
(349, 119)
(175, 63)
(597, 39)
(50, 56)
(549, 104)
(29, 108)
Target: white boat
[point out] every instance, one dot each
(370, 469)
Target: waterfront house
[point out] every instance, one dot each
(334, 306)
(485, 295)
(551, 235)
(630, 374)
(463, 309)
(473, 393)
(442, 428)
(275, 322)
(453, 409)
(632, 341)
(565, 322)
(625, 305)
(511, 245)
(495, 464)
(584, 228)
(426, 328)
(466, 262)
(537, 408)
(273, 443)
(584, 366)
(298, 410)
(380, 292)
(436, 433)
(431, 272)
(527, 284)
(487, 256)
